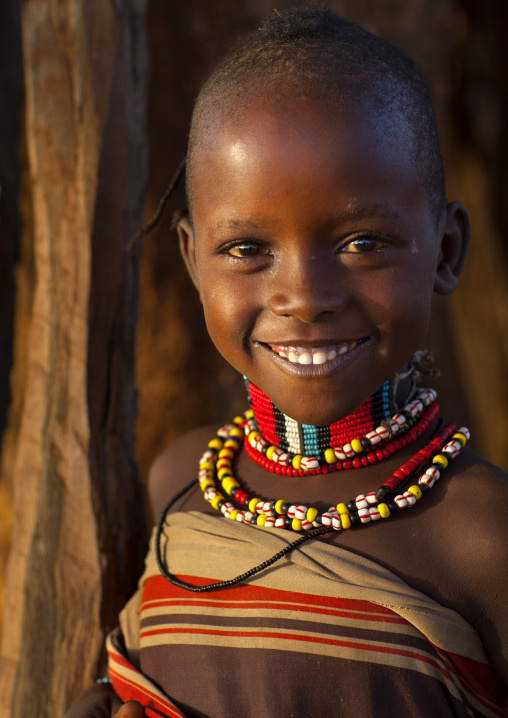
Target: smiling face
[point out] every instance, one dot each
(314, 250)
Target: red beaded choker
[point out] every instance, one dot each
(289, 436)
(356, 450)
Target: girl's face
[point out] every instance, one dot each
(315, 252)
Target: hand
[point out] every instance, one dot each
(101, 701)
(131, 709)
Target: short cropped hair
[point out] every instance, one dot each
(313, 47)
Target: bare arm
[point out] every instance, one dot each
(477, 547)
(175, 468)
(490, 562)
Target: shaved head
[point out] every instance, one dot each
(310, 54)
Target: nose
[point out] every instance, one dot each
(306, 287)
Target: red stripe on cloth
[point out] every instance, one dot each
(246, 605)
(137, 686)
(129, 691)
(446, 671)
(158, 589)
(479, 680)
(278, 635)
(472, 677)
(295, 607)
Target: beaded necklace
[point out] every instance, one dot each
(290, 437)
(378, 443)
(444, 447)
(217, 463)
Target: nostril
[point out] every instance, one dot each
(306, 305)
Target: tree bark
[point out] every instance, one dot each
(10, 122)
(84, 77)
(112, 397)
(10, 116)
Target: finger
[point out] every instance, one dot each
(131, 709)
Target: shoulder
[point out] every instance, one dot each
(473, 517)
(478, 495)
(475, 532)
(176, 466)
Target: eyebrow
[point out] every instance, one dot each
(358, 211)
(230, 224)
(352, 212)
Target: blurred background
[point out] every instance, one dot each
(141, 64)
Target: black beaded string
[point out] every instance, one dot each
(257, 569)
(232, 581)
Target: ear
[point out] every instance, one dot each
(454, 244)
(188, 249)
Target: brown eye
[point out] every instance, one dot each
(246, 249)
(364, 245)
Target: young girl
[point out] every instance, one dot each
(317, 231)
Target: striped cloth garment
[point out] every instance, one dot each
(323, 633)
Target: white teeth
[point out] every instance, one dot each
(305, 358)
(320, 358)
(312, 355)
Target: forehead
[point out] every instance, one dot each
(278, 146)
(316, 110)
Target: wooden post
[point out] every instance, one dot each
(84, 81)
(10, 120)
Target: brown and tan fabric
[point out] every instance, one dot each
(323, 633)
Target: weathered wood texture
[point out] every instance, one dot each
(10, 122)
(74, 476)
(54, 543)
(24, 291)
(112, 398)
(10, 118)
(182, 380)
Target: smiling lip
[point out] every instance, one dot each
(312, 355)
(316, 360)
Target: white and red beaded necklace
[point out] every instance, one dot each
(217, 467)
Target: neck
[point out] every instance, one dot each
(289, 435)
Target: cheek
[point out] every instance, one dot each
(227, 317)
(400, 307)
(219, 302)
